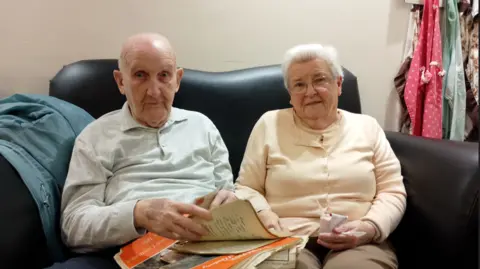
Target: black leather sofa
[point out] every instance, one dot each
(440, 227)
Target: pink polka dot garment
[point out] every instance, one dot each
(423, 89)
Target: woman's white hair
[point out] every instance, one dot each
(308, 52)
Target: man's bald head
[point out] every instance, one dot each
(146, 43)
(148, 77)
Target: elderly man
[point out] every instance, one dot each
(141, 167)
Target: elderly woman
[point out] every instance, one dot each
(315, 159)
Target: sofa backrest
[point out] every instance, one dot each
(233, 100)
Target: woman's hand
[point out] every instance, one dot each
(338, 241)
(223, 197)
(270, 219)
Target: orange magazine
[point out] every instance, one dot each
(142, 249)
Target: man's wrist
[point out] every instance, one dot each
(139, 215)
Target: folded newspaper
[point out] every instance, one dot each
(237, 239)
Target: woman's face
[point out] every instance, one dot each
(313, 89)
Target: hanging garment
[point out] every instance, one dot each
(414, 22)
(423, 90)
(454, 91)
(472, 61)
(471, 122)
(469, 35)
(400, 81)
(466, 24)
(469, 28)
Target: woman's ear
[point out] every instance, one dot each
(339, 85)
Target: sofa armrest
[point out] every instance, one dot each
(440, 226)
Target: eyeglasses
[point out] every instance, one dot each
(300, 87)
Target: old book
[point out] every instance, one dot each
(234, 230)
(237, 221)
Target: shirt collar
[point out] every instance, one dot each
(316, 138)
(128, 122)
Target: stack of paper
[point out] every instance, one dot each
(236, 239)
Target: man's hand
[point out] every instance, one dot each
(222, 197)
(338, 241)
(167, 218)
(270, 220)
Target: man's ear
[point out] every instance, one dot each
(179, 78)
(339, 85)
(119, 79)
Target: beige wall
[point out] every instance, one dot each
(38, 37)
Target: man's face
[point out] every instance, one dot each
(149, 79)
